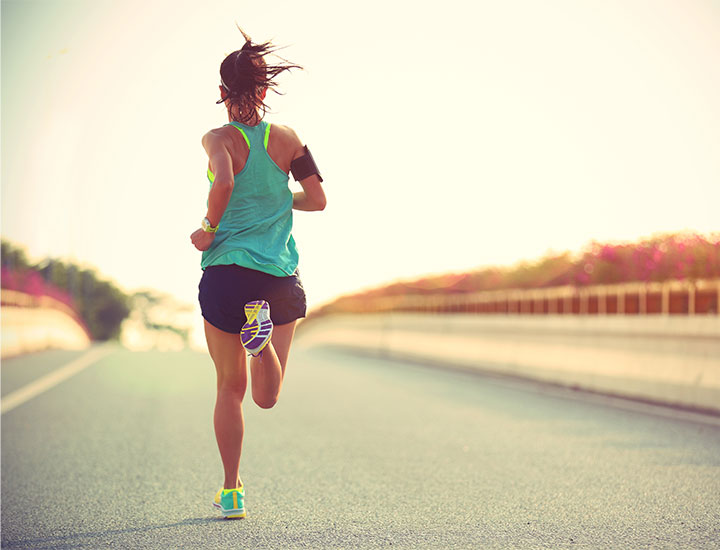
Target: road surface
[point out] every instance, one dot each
(360, 452)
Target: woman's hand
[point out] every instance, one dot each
(202, 239)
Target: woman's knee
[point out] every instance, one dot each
(235, 384)
(265, 401)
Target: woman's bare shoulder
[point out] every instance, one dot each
(216, 135)
(284, 145)
(286, 134)
(222, 131)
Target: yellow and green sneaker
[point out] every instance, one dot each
(231, 502)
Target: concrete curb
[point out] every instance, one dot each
(669, 360)
(26, 330)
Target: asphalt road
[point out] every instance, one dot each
(359, 453)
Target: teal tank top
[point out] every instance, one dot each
(256, 229)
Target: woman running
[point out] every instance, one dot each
(250, 292)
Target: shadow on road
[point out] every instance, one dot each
(76, 541)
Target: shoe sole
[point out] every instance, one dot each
(228, 513)
(256, 333)
(232, 514)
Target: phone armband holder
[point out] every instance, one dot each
(304, 166)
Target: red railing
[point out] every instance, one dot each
(701, 297)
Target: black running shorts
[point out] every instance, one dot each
(225, 289)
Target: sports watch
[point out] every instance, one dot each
(207, 227)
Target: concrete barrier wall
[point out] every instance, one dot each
(29, 329)
(667, 359)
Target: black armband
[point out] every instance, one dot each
(304, 166)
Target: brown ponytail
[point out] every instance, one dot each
(244, 74)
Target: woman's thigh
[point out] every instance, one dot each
(282, 338)
(228, 354)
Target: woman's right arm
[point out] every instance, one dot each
(312, 197)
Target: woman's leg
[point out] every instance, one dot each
(229, 357)
(268, 369)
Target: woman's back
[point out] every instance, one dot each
(256, 229)
(283, 144)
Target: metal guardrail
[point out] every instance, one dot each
(665, 298)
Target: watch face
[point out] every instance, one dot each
(205, 224)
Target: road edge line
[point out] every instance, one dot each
(52, 379)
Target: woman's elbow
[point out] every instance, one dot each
(224, 184)
(320, 203)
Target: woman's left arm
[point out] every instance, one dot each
(218, 152)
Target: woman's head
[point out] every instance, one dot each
(245, 78)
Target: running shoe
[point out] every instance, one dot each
(231, 502)
(256, 333)
(218, 495)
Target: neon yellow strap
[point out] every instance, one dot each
(211, 176)
(205, 224)
(243, 134)
(267, 135)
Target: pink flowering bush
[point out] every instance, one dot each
(658, 258)
(661, 258)
(32, 283)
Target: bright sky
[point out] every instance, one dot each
(450, 136)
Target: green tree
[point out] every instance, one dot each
(99, 303)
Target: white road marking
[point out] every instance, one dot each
(44, 383)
